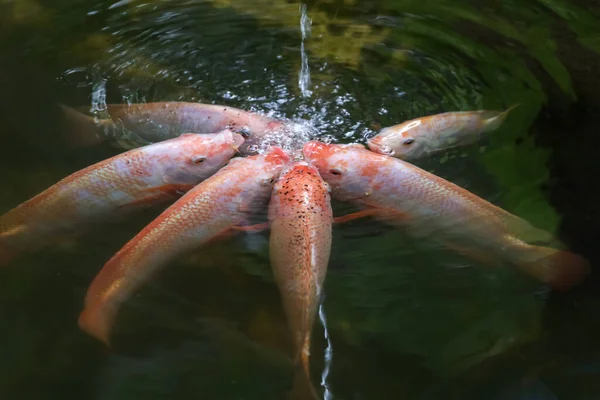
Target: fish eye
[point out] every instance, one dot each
(335, 171)
(268, 181)
(198, 160)
(245, 132)
(408, 141)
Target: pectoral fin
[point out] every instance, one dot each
(252, 228)
(356, 215)
(156, 195)
(177, 176)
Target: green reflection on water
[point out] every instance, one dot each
(421, 309)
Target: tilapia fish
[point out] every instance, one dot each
(209, 210)
(405, 195)
(113, 187)
(300, 216)
(133, 125)
(422, 137)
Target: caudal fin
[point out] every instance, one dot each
(558, 268)
(509, 109)
(302, 387)
(79, 130)
(492, 120)
(97, 320)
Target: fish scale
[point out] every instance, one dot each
(425, 136)
(207, 211)
(407, 196)
(120, 184)
(300, 243)
(131, 125)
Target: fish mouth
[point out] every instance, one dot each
(376, 146)
(236, 141)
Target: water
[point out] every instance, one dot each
(404, 316)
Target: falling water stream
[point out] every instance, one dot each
(304, 83)
(98, 107)
(327, 395)
(304, 75)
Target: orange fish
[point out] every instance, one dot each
(300, 242)
(425, 136)
(209, 210)
(133, 125)
(144, 176)
(401, 193)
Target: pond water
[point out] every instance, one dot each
(406, 319)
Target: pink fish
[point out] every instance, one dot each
(209, 210)
(132, 125)
(401, 193)
(121, 184)
(300, 216)
(425, 136)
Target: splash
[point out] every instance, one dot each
(98, 107)
(116, 132)
(304, 75)
(291, 137)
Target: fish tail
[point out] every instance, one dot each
(96, 320)
(558, 268)
(493, 119)
(502, 116)
(476, 255)
(302, 387)
(509, 109)
(79, 130)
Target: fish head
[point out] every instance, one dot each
(212, 151)
(201, 155)
(398, 141)
(251, 179)
(298, 172)
(301, 177)
(346, 168)
(268, 166)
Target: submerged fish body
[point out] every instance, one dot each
(300, 243)
(120, 184)
(209, 210)
(406, 195)
(132, 125)
(422, 137)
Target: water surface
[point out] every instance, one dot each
(406, 318)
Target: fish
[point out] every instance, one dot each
(114, 187)
(210, 210)
(132, 125)
(399, 193)
(425, 136)
(301, 220)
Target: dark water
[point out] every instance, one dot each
(407, 320)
